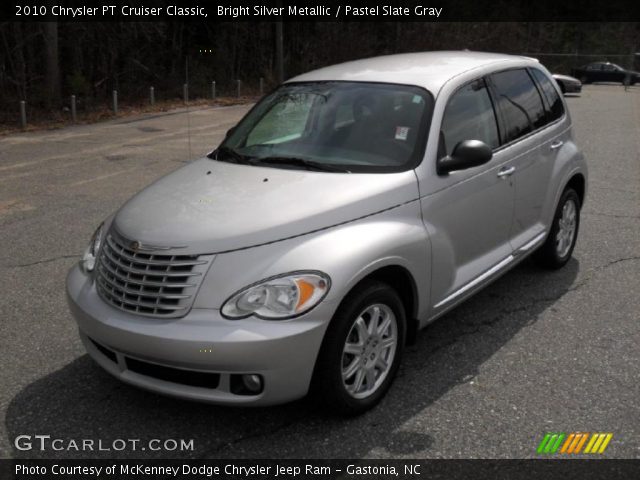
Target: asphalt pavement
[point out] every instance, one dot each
(535, 352)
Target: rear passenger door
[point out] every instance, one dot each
(529, 139)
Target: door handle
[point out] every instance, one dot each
(505, 172)
(557, 144)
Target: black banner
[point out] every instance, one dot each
(583, 469)
(328, 10)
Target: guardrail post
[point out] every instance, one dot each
(115, 102)
(185, 92)
(152, 96)
(239, 84)
(74, 117)
(213, 90)
(23, 114)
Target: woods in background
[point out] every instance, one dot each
(45, 63)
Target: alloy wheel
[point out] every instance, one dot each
(369, 350)
(566, 228)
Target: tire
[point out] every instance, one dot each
(558, 247)
(351, 383)
(584, 79)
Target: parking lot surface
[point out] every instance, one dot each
(535, 352)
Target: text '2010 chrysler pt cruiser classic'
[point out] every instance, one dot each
(346, 210)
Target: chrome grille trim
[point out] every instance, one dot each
(135, 271)
(145, 283)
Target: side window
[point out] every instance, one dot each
(554, 102)
(594, 67)
(519, 102)
(469, 115)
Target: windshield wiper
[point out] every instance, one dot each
(226, 154)
(299, 162)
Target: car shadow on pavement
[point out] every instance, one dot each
(81, 401)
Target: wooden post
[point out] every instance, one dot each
(23, 114)
(74, 118)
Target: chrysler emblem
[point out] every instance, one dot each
(135, 246)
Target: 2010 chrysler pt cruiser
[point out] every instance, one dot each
(349, 208)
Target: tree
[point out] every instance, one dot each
(52, 75)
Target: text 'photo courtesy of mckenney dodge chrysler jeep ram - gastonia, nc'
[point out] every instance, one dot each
(349, 208)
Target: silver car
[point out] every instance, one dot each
(567, 83)
(348, 209)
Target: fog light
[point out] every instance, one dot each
(252, 382)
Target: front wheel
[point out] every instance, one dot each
(557, 249)
(361, 351)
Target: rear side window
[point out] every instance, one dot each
(519, 102)
(554, 102)
(469, 115)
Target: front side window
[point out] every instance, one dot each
(519, 102)
(594, 67)
(554, 102)
(469, 115)
(340, 126)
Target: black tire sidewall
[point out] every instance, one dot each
(548, 254)
(328, 374)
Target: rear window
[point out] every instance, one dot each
(519, 102)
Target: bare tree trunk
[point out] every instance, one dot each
(52, 77)
(279, 54)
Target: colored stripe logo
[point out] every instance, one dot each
(573, 443)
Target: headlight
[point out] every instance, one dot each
(88, 261)
(279, 298)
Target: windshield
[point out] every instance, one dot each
(334, 126)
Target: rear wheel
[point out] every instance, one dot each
(362, 348)
(557, 249)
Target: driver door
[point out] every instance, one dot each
(468, 213)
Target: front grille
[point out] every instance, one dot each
(145, 283)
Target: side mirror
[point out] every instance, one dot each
(230, 131)
(466, 154)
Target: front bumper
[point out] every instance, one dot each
(282, 352)
(572, 87)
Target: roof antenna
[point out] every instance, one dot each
(186, 101)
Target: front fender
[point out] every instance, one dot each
(347, 253)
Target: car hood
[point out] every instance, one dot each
(209, 206)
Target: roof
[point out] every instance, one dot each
(430, 70)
